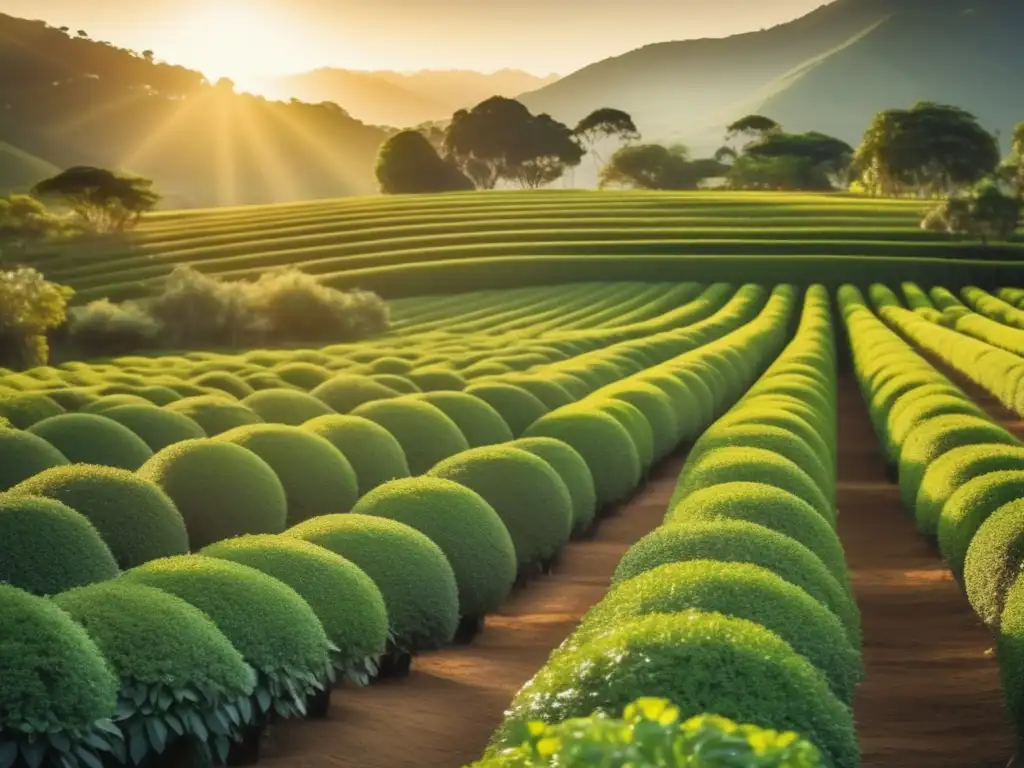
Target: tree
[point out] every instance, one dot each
(783, 173)
(928, 150)
(986, 213)
(753, 127)
(29, 306)
(408, 163)
(23, 221)
(1012, 169)
(653, 166)
(820, 162)
(726, 154)
(104, 200)
(606, 123)
(500, 139)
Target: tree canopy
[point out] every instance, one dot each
(654, 166)
(753, 127)
(30, 305)
(24, 220)
(106, 201)
(928, 150)
(986, 213)
(606, 123)
(409, 163)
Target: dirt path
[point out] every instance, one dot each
(443, 714)
(932, 698)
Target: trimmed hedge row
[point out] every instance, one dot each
(718, 613)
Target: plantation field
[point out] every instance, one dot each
(799, 508)
(419, 244)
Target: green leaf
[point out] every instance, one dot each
(8, 753)
(88, 758)
(157, 733)
(32, 753)
(263, 699)
(138, 746)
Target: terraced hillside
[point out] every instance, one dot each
(405, 246)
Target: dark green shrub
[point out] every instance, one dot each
(656, 409)
(285, 406)
(215, 414)
(59, 695)
(157, 427)
(969, 507)
(741, 590)
(104, 404)
(347, 602)
(225, 382)
(604, 444)
(159, 395)
(631, 419)
(47, 547)
(89, 439)
(932, 438)
(274, 629)
(136, 519)
(752, 465)
(573, 470)
(411, 572)
(768, 506)
(528, 495)
(650, 732)
(517, 407)
(22, 411)
(479, 423)
(465, 527)
(306, 376)
(221, 490)
(23, 455)
(436, 379)
(72, 399)
(734, 541)
(346, 392)
(994, 561)
(703, 662)
(192, 672)
(373, 452)
(425, 433)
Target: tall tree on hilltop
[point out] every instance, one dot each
(929, 150)
(408, 163)
(104, 200)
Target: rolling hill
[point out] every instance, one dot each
(856, 56)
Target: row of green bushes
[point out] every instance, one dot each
(997, 307)
(960, 474)
(739, 604)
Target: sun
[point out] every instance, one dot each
(235, 40)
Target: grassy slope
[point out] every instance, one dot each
(19, 170)
(422, 244)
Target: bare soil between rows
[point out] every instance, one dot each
(932, 698)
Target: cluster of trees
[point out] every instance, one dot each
(498, 140)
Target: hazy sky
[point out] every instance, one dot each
(253, 37)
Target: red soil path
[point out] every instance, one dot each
(932, 698)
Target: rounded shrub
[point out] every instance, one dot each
(787, 421)
(23, 455)
(22, 411)
(347, 602)
(400, 384)
(752, 465)
(47, 547)
(631, 419)
(1010, 652)
(528, 495)
(735, 541)
(517, 407)
(436, 379)
(390, 364)
(908, 412)
(544, 388)
(953, 469)
(130, 625)
(465, 527)
(221, 490)
(375, 455)
(85, 438)
(411, 572)
(346, 392)
(604, 444)
(771, 507)
(274, 629)
(994, 561)
(71, 399)
(136, 519)
(158, 395)
(56, 681)
(425, 433)
(934, 437)
(306, 376)
(225, 382)
(741, 590)
(104, 404)
(479, 423)
(285, 406)
(656, 408)
(970, 506)
(702, 662)
(573, 470)
(157, 427)
(214, 414)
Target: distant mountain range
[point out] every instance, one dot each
(831, 70)
(400, 99)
